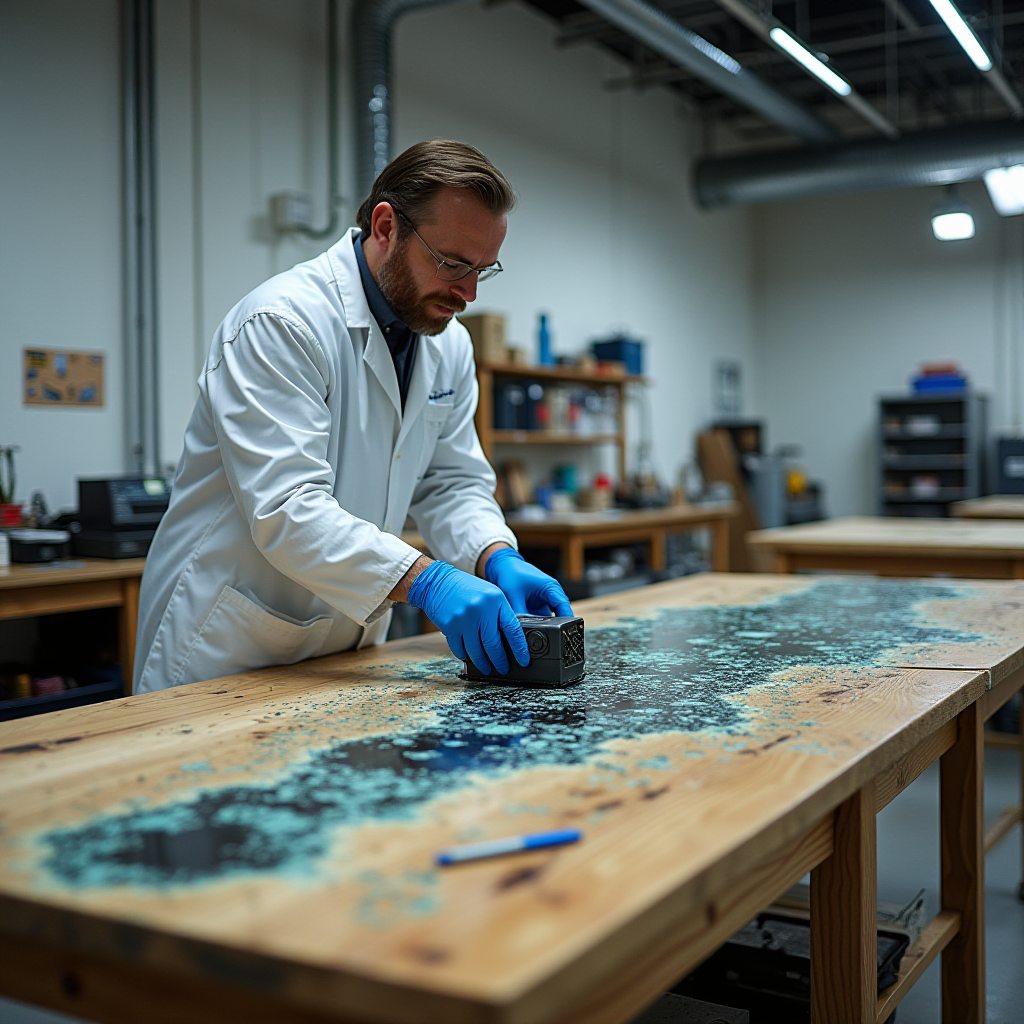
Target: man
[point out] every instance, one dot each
(338, 397)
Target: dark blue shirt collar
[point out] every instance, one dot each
(379, 306)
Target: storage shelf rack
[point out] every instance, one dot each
(931, 452)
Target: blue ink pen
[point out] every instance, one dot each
(511, 844)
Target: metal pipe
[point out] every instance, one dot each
(140, 292)
(333, 187)
(373, 22)
(940, 157)
(662, 34)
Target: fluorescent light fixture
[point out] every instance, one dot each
(952, 227)
(963, 34)
(782, 39)
(1006, 189)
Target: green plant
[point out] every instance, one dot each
(8, 479)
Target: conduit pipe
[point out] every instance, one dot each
(942, 156)
(690, 51)
(373, 22)
(142, 419)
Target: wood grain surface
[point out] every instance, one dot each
(601, 522)
(883, 535)
(273, 834)
(75, 570)
(993, 506)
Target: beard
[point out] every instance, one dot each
(399, 288)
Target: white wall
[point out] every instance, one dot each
(606, 235)
(60, 230)
(853, 293)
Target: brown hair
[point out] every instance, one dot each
(414, 177)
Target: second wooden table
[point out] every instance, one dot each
(899, 547)
(572, 533)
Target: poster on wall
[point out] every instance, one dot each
(64, 377)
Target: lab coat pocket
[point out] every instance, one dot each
(241, 634)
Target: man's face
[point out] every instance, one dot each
(458, 227)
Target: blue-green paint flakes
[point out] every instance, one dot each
(677, 671)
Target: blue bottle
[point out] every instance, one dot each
(544, 356)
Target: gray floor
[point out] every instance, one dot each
(908, 855)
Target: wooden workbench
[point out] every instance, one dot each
(994, 506)
(75, 586)
(261, 847)
(572, 533)
(898, 547)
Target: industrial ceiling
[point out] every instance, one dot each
(907, 71)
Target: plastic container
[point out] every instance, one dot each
(621, 350)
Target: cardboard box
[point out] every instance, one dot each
(488, 333)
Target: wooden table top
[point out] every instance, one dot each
(896, 536)
(993, 506)
(75, 570)
(276, 830)
(626, 519)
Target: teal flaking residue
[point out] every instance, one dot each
(677, 671)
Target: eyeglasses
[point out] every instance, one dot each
(453, 270)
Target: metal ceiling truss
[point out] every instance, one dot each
(905, 69)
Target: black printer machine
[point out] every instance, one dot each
(119, 515)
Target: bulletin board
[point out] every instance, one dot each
(62, 377)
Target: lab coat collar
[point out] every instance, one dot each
(342, 258)
(376, 355)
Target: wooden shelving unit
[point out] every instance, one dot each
(489, 437)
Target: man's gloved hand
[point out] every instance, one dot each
(526, 587)
(472, 614)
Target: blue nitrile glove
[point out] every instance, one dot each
(526, 587)
(472, 614)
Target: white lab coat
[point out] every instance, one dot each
(281, 539)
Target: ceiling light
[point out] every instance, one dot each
(1006, 189)
(964, 35)
(952, 219)
(782, 39)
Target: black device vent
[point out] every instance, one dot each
(572, 644)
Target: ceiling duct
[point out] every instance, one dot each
(940, 157)
(373, 21)
(655, 29)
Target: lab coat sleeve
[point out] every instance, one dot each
(453, 504)
(267, 393)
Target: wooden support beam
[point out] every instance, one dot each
(917, 959)
(844, 969)
(963, 870)
(1002, 826)
(889, 784)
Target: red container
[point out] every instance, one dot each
(10, 514)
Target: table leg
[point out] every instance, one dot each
(127, 625)
(963, 870)
(656, 549)
(782, 563)
(844, 971)
(1020, 751)
(720, 557)
(572, 558)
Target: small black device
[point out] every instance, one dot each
(119, 515)
(766, 968)
(557, 654)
